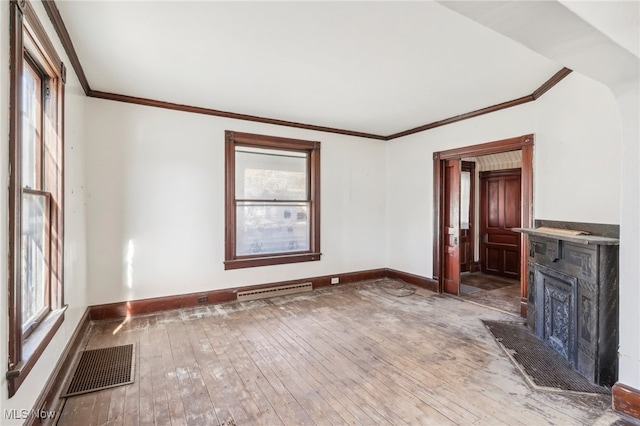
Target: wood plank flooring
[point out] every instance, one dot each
(353, 354)
(496, 292)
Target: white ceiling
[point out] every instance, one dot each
(375, 67)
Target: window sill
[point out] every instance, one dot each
(33, 347)
(271, 260)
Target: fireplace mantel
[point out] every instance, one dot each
(572, 295)
(578, 239)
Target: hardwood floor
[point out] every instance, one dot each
(496, 292)
(353, 354)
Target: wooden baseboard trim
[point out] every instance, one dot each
(49, 399)
(626, 400)
(420, 281)
(158, 304)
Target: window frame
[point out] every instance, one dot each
(312, 148)
(31, 46)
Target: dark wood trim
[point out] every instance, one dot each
(15, 190)
(314, 191)
(67, 44)
(461, 117)
(229, 194)
(555, 79)
(626, 400)
(475, 266)
(312, 149)
(420, 281)
(158, 304)
(49, 399)
(267, 141)
(226, 114)
(271, 260)
(17, 375)
(547, 85)
(438, 208)
(523, 143)
(500, 172)
(53, 60)
(526, 190)
(503, 145)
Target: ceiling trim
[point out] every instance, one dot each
(225, 114)
(65, 39)
(555, 79)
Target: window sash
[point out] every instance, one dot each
(268, 174)
(35, 258)
(32, 112)
(269, 228)
(282, 226)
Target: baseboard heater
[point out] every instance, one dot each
(282, 290)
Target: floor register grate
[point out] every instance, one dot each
(541, 365)
(103, 368)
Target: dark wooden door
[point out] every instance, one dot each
(451, 227)
(467, 214)
(500, 211)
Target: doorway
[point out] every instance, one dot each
(450, 229)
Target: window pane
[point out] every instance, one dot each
(263, 174)
(34, 256)
(465, 199)
(265, 228)
(31, 113)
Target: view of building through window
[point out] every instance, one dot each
(272, 201)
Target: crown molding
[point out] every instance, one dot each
(225, 114)
(65, 39)
(60, 28)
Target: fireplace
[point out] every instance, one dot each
(572, 302)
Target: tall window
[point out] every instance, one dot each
(272, 200)
(36, 193)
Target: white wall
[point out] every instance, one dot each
(75, 236)
(576, 128)
(156, 178)
(628, 101)
(578, 153)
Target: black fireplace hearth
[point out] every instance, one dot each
(573, 295)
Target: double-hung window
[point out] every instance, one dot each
(35, 193)
(272, 200)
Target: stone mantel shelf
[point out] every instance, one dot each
(578, 239)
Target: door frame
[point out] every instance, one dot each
(523, 143)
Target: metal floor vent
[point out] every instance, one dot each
(538, 361)
(99, 369)
(282, 290)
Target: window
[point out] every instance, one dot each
(272, 200)
(36, 193)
